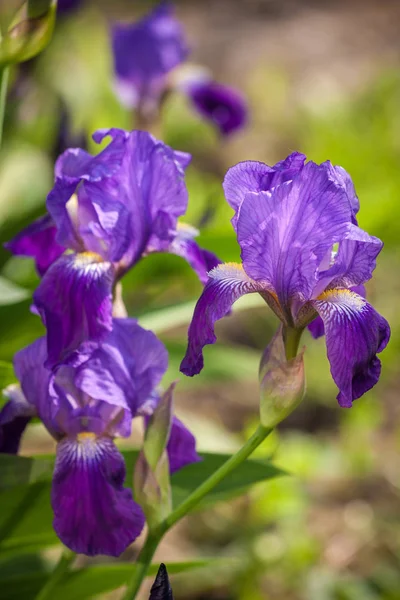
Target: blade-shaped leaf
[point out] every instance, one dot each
(17, 470)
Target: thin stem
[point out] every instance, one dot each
(3, 97)
(143, 563)
(209, 484)
(291, 338)
(47, 591)
(183, 509)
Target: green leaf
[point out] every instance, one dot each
(83, 583)
(10, 293)
(26, 515)
(185, 481)
(17, 470)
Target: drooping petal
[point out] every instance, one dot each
(181, 447)
(355, 333)
(317, 328)
(93, 512)
(253, 176)
(226, 284)
(144, 52)
(14, 418)
(285, 234)
(224, 106)
(125, 368)
(342, 177)
(184, 245)
(75, 302)
(38, 240)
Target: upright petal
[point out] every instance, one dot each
(354, 262)
(75, 302)
(93, 512)
(145, 52)
(125, 368)
(226, 284)
(181, 447)
(14, 418)
(34, 379)
(38, 240)
(224, 106)
(150, 184)
(285, 234)
(355, 333)
(253, 176)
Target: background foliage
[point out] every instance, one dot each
(322, 79)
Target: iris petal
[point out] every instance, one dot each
(355, 333)
(181, 447)
(75, 302)
(14, 418)
(226, 284)
(93, 512)
(38, 240)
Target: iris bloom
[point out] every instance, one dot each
(105, 213)
(145, 54)
(86, 403)
(303, 252)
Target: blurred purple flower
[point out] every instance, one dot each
(66, 6)
(110, 210)
(288, 220)
(225, 107)
(144, 55)
(86, 403)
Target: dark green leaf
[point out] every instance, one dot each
(17, 470)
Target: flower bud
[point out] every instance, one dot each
(29, 32)
(151, 476)
(282, 382)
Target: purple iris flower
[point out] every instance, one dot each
(144, 55)
(107, 211)
(66, 6)
(86, 403)
(303, 251)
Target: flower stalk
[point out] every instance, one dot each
(4, 74)
(47, 591)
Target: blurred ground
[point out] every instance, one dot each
(322, 78)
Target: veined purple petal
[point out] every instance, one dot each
(34, 379)
(75, 302)
(317, 328)
(144, 52)
(253, 176)
(354, 263)
(150, 184)
(184, 245)
(226, 284)
(14, 418)
(125, 368)
(224, 106)
(342, 177)
(93, 512)
(38, 240)
(181, 447)
(285, 234)
(355, 333)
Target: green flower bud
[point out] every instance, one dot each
(282, 382)
(29, 31)
(151, 477)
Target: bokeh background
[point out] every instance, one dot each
(321, 77)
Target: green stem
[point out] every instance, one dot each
(154, 538)
(291, 338)
(3, 97)
(143, 563)
(47, 591)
